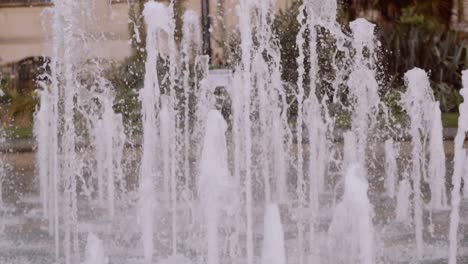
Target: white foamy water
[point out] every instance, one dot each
(351, 231)
(273, 250)
(459, 160)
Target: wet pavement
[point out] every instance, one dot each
(24, 236)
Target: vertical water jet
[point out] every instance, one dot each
(459, 161)
(215, 185)
(351, 231)
(418, 101)
(436, 167)
(403, 207)
(244, 13)
(157, 20)
(273, 250)
(391, 169)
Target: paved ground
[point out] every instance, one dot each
(24, 237)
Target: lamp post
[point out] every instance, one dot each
(206, 25)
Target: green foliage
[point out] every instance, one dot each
(16, 108)
(179, 10)
(437, 11)
(419, 41)
(287, 27)
(450, 119)
(127, 80)
(418, 38)
(410, 18)
(128, 77)
(19, 132)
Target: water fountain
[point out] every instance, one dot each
(363, 87)
(247, 185)
(273, 250)
(403, 208)
(2, 166)
(436, 168)
(67, 105)
(391, 168)
(157, 20)
(216, 188)
(109, 139)
(459, 159)
(351, 230)
(94, 252)
(418, 101)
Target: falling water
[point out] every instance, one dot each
(190, 50)
(109, 139)
(41, 134)
(56, 173)
(459, 160)
(167, 154)
(2, 165)
(216, 187)
(362, 85)
(403, 208)
(206, 101)
(157, 20)
(465, 178)
(436, 167)
(418, 103)
(244, 13)
(2, 169)
(351, 231)
(94, 252)
(349, 158)
(391, 169)
(311, 113)
(273, 251)
(207, 175)
(317, 170)
(265, 141)
(300, 191)
(72, 96)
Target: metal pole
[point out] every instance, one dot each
(206, 24)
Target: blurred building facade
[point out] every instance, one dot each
(460, 15)
(24, 31)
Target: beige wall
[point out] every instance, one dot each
(460, 23)
(22, 34)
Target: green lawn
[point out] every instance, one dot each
(18, 132)
(450, 119)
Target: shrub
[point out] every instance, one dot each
(419, 41)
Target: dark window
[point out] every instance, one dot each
(28, 71)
